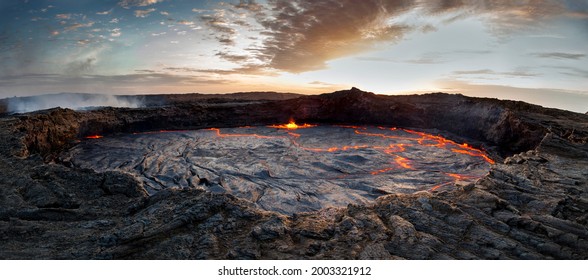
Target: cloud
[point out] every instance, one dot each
(104, 13)
(519, 73)
(232, 57)
(245, 69)
(181, 69)
(219, 24)
(249, 5)
(560, 55)
(185, 22)
(145, 71)
(504, 16)
(115, 32)
(79, 25)
(143, 13)
(572, 71)
(302, 35)
(80, 66)
(63, 16)
(428, 28)
(137, 3)
(428, 58)
(319, 83)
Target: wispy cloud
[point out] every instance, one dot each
(572, 71)
(137, 3)
(143, 13)
(560, 55)
(232, 57)
(519, 73)
(104, 13)
(245, 69)
(504, 16)
(79, 25)
(115, 32)
(250, 5)
(428, 58)
(81, 66)
(63, 16)
(218, 23)
(185, 22)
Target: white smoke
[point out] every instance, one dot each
(75, 101)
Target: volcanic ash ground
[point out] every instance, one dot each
(288, 170)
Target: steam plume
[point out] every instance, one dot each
(75, 101)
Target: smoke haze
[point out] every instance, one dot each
(75, 101)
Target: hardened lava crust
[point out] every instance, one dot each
(531, 204)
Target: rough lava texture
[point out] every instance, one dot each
(533, 204)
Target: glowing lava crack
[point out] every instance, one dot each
(286, 171)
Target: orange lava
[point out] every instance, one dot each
(383, 170)
(396, 148)
(351, 126)
(94, 137)
(440, 142)
(403, 162)
(459, 176)
(439, 186)
(291, 125)
(473, 152)
(393, 150)
(334, 149)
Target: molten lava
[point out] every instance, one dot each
(291, 125)
(94, 137)
(393, 149)
(292, 170)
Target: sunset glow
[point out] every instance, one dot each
(524, 50)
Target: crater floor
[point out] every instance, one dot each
(288, 170)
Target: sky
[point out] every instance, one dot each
(530, 50)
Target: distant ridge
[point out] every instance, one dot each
(88, 100)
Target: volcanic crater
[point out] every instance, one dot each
(433, 176)
(288, 168)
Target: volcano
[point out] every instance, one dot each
(348, 174)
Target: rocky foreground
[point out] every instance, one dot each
(533, 204)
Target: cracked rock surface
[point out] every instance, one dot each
(532, 204)
(287, 171)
